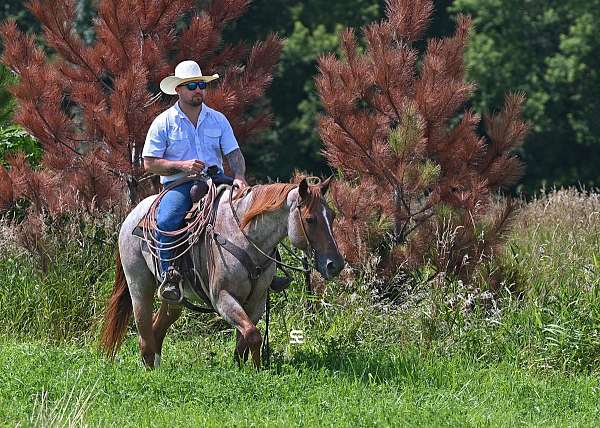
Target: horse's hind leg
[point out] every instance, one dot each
(232, 311)
(166, 315)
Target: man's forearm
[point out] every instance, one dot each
(169, 167)
(161, 166)
(237, 163)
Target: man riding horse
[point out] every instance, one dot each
(186, 139)
(236, 259)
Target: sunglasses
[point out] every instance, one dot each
(193, 85)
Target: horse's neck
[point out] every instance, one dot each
(268, 229)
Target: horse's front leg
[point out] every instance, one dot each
(230, 309)
(164, 318)
(142, 311)
(240, 354)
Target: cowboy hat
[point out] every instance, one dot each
(186, 71)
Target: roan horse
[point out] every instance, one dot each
(268, 214)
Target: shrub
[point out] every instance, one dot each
(416, 181)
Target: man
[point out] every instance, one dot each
(186, 139)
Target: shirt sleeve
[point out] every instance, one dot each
(228, 141)
(156, 139)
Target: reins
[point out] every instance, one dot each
(305, 262)
(306, 269)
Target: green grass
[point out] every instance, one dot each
(197, 385)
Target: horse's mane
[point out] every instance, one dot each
(266, 198)
(269, 197)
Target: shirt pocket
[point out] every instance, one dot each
(178, 141)
(212, 138)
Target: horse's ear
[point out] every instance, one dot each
(325, 185)
(303, 189)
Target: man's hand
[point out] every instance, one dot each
(193, 166)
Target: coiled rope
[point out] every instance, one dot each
(190, 233)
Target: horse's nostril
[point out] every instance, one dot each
(331, 266)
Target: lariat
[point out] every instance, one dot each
(187, 236)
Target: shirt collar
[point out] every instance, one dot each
(182, 115)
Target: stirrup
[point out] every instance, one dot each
(172, 280)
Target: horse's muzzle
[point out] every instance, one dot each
(331, 266)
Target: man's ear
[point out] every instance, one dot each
(325, 185)
(303, 190)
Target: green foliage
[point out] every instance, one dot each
(14, 139)
(429, 171)
(317, 24)
(56, 289)
(311, 29)
(15, 9)
(555, 250)
(409, 133)
(6, 101)
(394, 352)
(544, 313)
(549, 50)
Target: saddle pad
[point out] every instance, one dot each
(139, 229)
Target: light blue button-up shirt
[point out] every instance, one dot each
(172, 136)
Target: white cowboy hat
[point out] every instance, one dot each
(186, 71)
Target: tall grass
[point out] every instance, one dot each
(57, 289)
(555, 248)
(545, 314)
(66, 411)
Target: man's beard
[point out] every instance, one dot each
(196, 101)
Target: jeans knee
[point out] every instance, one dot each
(173, 208)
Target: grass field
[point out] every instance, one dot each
(198, 386)
(527, 355)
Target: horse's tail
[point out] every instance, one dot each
(116, 318)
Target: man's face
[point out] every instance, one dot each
(192, 97)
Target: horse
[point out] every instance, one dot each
(268, 213)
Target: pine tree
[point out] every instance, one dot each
(416, 181)
(90, 104)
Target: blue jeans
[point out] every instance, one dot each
(171, 212)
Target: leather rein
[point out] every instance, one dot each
(304, 261)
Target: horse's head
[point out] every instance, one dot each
(310, 228)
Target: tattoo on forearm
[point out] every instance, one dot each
(237, 162)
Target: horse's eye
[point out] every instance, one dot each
(310, 220)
